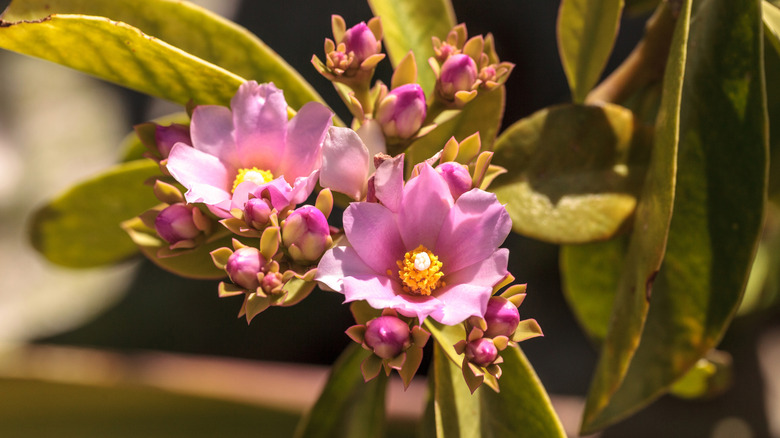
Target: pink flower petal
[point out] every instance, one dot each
(337, 263)
(374, 139)
(205, 176)
(487, 272)
(389, 182)
(383, 293)
(260, 120)
(302, 187)
(212, 132)
(472, 231)
(460, 301)
(344, 163)
(371, 229)
(426, 202)
(305, 134)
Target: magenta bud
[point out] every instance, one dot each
(306, 233)
(481, 352)
(458, 73)
(271, 281)
(175, 223)
(257, 211)
(167, 136)
(361, 41)
(387, 336)
(501, 317)
(244, 265)
(402, 112)
(456, 176)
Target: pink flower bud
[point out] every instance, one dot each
(456, 176)
(167, 136)
(257, 212)
(306, 234)
(502, 318)
(458, 73)
(175, 224)
(481, 352)
(244, 265)
(402, 112)
(361, 41)
(387, 336)
(271, 281)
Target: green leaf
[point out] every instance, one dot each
(719, 207)
(573, 172)
(771, 15)
(457, 411)
(122, 54)
(586, 33)
(190, 28)
(80, 227)
(648, 238)
(771, 19)
(590, 274)
(409, 25)
(522, 405)
(347, 407)
(483, 115)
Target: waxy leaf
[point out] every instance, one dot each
(456, 410)
(648, 238)
(482, 115)
(348, 406)
(573, 172)
(190, 28)
(408, 25)
(586, 33)
(80, 228)
(721, 184)
(120, 53)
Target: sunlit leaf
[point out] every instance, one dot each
(122, 54)
(573, 172)
(80, 227)
(483, 115)
(190, 28)
(347, 407)
(716, 222)
(586, 33)
(409, 25)
(709, 377)
(457, 410)
(647, 241)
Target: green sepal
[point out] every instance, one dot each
(527, 329)
(221, 256)
(229, 290)
(405, 72)
(295, 291)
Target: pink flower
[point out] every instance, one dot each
(418, 250)
(250, 149)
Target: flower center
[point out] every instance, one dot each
(420, 271)
(254, 174)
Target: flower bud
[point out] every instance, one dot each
(481, 352)
(306, 234)
(501, 317)
(244, 265)
(387, 336)
(402, 112)
(257, 212)
(175, 223)
(167, 136)
(271, 281)
(458, 73)
(359, 40)
(456, 176)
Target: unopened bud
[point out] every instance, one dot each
(257, 212)
(387, 336)
(458, 73)
(501, 317)
(456, 176)
(359, 40)
(175, 223)
(244, 265)
(402, 112)
(167, 136)
(306, 234)
(481, 352)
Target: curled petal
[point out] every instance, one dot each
(344, 163)
(305, 134)
(374, 139)
(389, 182)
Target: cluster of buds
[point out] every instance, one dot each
(464, 65)
(290, 244)
(394, 342)
(178, 227)
(488, 336)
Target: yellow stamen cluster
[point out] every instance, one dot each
(254, 174)
(420, 271)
